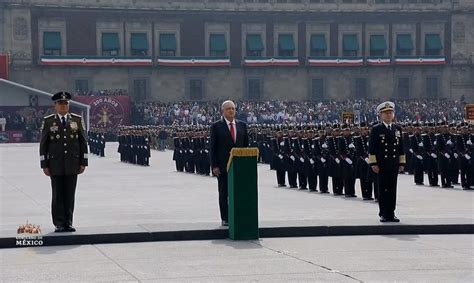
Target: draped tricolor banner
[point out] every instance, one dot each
(4, 66)
(107, 112)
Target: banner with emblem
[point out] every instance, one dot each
(107, 112)
(469, 113)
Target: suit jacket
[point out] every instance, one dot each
(222, 143)
(63, 150)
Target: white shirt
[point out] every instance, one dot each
(61, 117)
(388, 125)
(233, 125)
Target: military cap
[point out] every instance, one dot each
(385, 106)
(61, 96)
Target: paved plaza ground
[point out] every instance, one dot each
(115, 194)
(401, 258)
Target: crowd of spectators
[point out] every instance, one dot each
(271, 112)
(103, 92)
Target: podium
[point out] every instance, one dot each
(243, 194)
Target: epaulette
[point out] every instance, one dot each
(76, 115)
(49, 116)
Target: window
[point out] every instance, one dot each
(168, 44)
(217, 45)
(433, 45)
(361, 88)
(403, 89)
(317, 89)
(254, 88)
(139, 44)
(350, 45)
(52, 43)
(377, 45)
(432, 87)
(254, 45)
(404, 45)
(196, 89)
(318, 45)
(110, 44)
(82, 86)
(140, 89)
(286, 45)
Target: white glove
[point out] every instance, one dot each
(420, 144)
(367, 160)
(449, 142)
(280, 156)
(292, 158)
(351, 145)
(434, 155)
(311, 161)
(324, 145)
(419, 157)
(337, 160)
(447, 155)
(323, 160)
(348, 160)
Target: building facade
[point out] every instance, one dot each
(243, 49)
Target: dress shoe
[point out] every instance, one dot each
(368, 199)
(383, 219)
(324, 192)
(419, 184)
(70, 228)
(351, 196)
(59, 229)
(395, 219)
(281, 185)
(225, 223)
(448, 186)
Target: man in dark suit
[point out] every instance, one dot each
(63, 155)
(225, 134)
(387, 159)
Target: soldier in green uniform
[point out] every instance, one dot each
(63, 155)
(387, 158)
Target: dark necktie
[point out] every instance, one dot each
(389, 128)
(63, 121)
(232, 131)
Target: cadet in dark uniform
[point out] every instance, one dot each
(387, 158)
(63, 155)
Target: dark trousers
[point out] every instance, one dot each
(302, 180)
(418, 171)
(223, 196)
(337, 185)
(292, 177)
(366, 187)
(323, 178)
(312, 182)
(387, 193)
(280, 177)
(62, 203)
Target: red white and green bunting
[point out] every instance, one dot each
(95, 61)
(194, 61)
(336, 61)
(271, 61)
(420, 60)
(379, 61)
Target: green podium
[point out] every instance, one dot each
(243, 194)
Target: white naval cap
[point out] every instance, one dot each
(384, 106)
